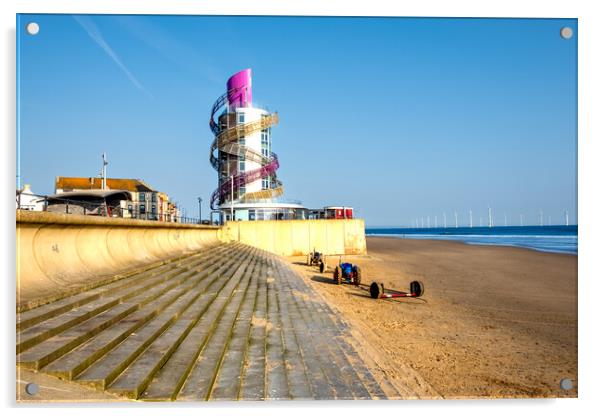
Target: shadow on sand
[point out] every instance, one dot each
(408, 301)
(321, 278)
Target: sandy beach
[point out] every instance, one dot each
(494, 321)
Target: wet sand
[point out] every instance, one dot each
(494, 321)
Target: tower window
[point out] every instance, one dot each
(241, 118)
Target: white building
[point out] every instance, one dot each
(27, 200)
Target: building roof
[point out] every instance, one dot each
(71, 184)
(93, 193)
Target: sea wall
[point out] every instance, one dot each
(299, 237)
(57, 253)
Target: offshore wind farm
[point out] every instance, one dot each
(555, 237)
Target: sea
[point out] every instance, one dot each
(551, 238)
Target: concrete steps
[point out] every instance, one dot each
(230, 323)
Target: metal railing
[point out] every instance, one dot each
(64, 205)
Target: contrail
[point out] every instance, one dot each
(97, 37)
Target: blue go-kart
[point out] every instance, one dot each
(347, 273)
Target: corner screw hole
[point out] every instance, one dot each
(31, 388)
(566, 32)
(33, 28)
(566, 384)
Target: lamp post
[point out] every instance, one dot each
(200, 217)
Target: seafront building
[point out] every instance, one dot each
(242, 154)
(127, 198)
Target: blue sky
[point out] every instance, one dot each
(401, 118)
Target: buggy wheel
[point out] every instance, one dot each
(375, 290)
(337, 276)
(322, 267)
(417, 288)
(358, 276)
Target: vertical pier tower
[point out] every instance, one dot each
(241, 153)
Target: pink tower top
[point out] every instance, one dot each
(239, 89)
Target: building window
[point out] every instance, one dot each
(242, 141)
(154, 209)
(242, 191)
(241, 163)
(265, 183)
(241, 118)
(142, 196)
(265, 152)
(142, 209)
(154, 197)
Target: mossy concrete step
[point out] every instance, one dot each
(276, 376)
(41, 331)
(74, 362)
(252, 383)
(108, 368)
(31, 317)
(234, 322)
(201, 380)
(139, 374)
(226, 385)
(204, 339)
(110, 327)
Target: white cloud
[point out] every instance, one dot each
(97, 37)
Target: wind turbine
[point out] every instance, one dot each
(470, 216)
(490, 218)
(444, 221)
(566, 217)
(456, 215)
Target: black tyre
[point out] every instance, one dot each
(337, 276)
(375, 290)
(322, 267)
(417, 288)
(358, 276)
